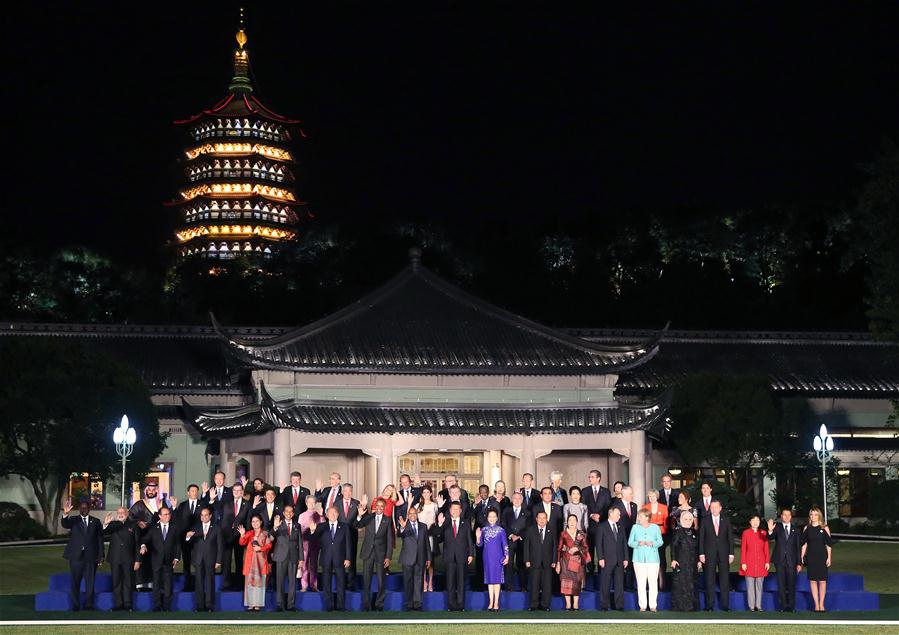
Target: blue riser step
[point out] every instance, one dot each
(309, 601)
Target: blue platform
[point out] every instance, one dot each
(845, 592)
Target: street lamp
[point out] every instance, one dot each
(823, 446)
(124, 438)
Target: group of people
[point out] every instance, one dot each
(542, 540)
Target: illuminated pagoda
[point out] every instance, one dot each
(240, 193)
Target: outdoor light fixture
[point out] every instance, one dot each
(124, 438)
(823, 444)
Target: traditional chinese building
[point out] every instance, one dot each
(239, 196)
(419, 376)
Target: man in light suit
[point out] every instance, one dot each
(287, 555)
(597, 499)
(716, 550)
(205, 542)
(333, 538)
(415, 556)
(84, 551)
(611, 550)
(787, 557)
(377, 548)
(541, 549)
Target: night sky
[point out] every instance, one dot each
(447, 110)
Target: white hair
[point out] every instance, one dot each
(555, 475)
(627, 488)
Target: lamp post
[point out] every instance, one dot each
(124, 438)
(823, 446)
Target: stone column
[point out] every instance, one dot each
(528, 459)
(385, 464)
(636, 466)
(281, 455)
(227, 463)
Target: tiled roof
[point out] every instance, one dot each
(419, 323)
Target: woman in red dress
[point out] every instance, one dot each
(390, 497)
(573, 560)
(754, 562)
(258, 543)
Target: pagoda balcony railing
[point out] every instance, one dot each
(258, 174)
(273, 218)
(234, 133)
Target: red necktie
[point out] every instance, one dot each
(716, 526)
(236, 507)
(331, 498)
(294, 497)
(455, 529)
(346, 509)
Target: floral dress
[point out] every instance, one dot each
(572, 565)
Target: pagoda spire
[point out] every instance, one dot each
(240, 83)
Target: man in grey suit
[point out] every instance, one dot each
(377, 548)
(287, 554)
(415, 556)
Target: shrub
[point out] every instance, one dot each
(16, 524)
(885, 502)
(734, 505)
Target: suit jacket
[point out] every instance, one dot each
(533, 499)
(701, 513)
(466, 508)
(84, 543)
(415, 551)
(556, 518)
(626, 522)
(162, 552)
(464, 498)
(261, 510)
(286, 498)
(786, 552)
(720, 546)
(669, 501)
(334, 550)
(230, 522)
(515, 526)
(610, 549)
(124, 542)
(480, 509)
(598, 504)
(350, 518)
(456, 549)
(206, 551)
(564, 495)
(185, 519)
(226, 497)
(323, 494)
(377, 545)
(288, 547)
(541, 554)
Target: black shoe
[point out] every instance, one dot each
(279, 609)
(530, 608)
(546, 609)
(709, 609)
(725, 609)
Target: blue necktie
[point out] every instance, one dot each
(333, 532)
(415, 530)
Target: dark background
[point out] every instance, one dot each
(487, 121)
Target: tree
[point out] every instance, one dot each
(59, 404)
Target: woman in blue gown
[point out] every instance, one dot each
(492, 539)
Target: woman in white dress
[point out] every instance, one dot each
(427, 514)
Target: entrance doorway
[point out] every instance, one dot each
(433, 466)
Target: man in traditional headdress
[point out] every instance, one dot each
(145, 512)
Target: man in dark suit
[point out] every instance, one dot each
(294, 494)
(348, 513)
(334, 556)
(408, 496)
(716, 550)
(597, 499)
(84, 551)
(611, 551)
(446, 494)
(287, 556)
(123, 556)
(704, 504)
(218, 496)
(377, 549)
(530, 493)
(786, 557)
(164, 545)
(205, 540)
(541, 548)
(267, 509)
(233, 514)
(628, 519)
(667, 494)
(553, 512)
(560, 496)
(328, 496)
(516, 519)
(458, 553)
(415, 557)
(187, 514)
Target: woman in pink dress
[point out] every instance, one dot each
(309, 576)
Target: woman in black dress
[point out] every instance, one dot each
(816, 548)
(684, 559)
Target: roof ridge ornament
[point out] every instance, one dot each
(240, 83)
